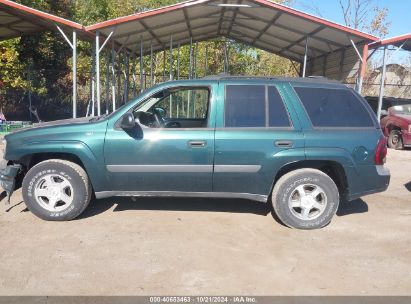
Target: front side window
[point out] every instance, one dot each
(185, 104)
(334, 108)
(254, 106)
(175, 108)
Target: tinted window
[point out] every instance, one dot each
(278, 116)
(245, 106)
(250, 106)
(334, 108)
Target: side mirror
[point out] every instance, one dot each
(128, 122)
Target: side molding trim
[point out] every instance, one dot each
(183, 168)
(160, 168)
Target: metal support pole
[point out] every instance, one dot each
(225, 57)
(107, 80)
(134, 63)
(382, 85)
(98, 73)
(171, 58)
(195, 60)
(119, 79)
(190, 69)
(141, 64)
(151, 65)
(29, 81)
(206, 61)
(113, 76)
(93, 80)
(74, 74)
(305, 57)
(127, 77)
(178, 61)
(227, 50)
(164, 64)
(73, 45)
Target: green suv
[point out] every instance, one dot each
(301, 145)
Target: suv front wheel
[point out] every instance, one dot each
(305, 199)
(56, 190)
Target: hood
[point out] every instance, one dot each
(57, 123)
(404, 117)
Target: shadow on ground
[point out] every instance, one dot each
(204, 205)
(355, 207)
(408, 186)
(177, 204)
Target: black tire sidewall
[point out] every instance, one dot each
(80, 191)
(397, 146)
(287, 188)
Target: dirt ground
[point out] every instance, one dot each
(210, 247)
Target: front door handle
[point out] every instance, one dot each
(284, 144)
(197, 143)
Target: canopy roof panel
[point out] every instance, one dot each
(17, 20)
(403, 40)
(260, 23)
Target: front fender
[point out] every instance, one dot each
(94, 164)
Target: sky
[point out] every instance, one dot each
(330, 9)
(399, 16)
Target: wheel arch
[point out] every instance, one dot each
(333, 169)
(75, 152)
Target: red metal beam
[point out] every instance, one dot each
(391, 41)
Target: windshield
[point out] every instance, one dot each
(404, 109)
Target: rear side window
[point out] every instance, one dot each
(254, 106)
(334, 108)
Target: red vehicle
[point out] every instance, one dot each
(397, 126)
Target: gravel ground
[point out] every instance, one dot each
(210, 247)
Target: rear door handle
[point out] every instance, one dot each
(284, 144)
(197, 143)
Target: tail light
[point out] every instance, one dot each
(381, 152)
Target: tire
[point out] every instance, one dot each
(59, 183)
(395, 140)
(289, 206)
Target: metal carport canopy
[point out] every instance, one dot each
(260, 23)
(17, 20)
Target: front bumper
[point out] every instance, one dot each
(8, 178)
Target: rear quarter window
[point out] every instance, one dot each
(334, 108)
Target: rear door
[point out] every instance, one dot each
(257, 133)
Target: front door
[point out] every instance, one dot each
(172, 148)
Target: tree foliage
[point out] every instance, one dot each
(366, 15)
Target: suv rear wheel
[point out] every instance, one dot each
(395, 140)
(305, 199)
(56, 190)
